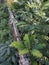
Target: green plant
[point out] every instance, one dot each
(33, 19)
(8, 55)
(5, 33)
(28, 48)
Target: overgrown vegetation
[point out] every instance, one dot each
(5, 33)
(7, 54)
(33, 25)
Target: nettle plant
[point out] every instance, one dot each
(33, 24)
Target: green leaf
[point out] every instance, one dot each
(41, 46)
(20, 23)
(32, 5)
(7, 58)
(41, 13)
(27, 41)
(36, 53)
(24, 51)
(17, 45)
(45, 5)
(34, 63)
